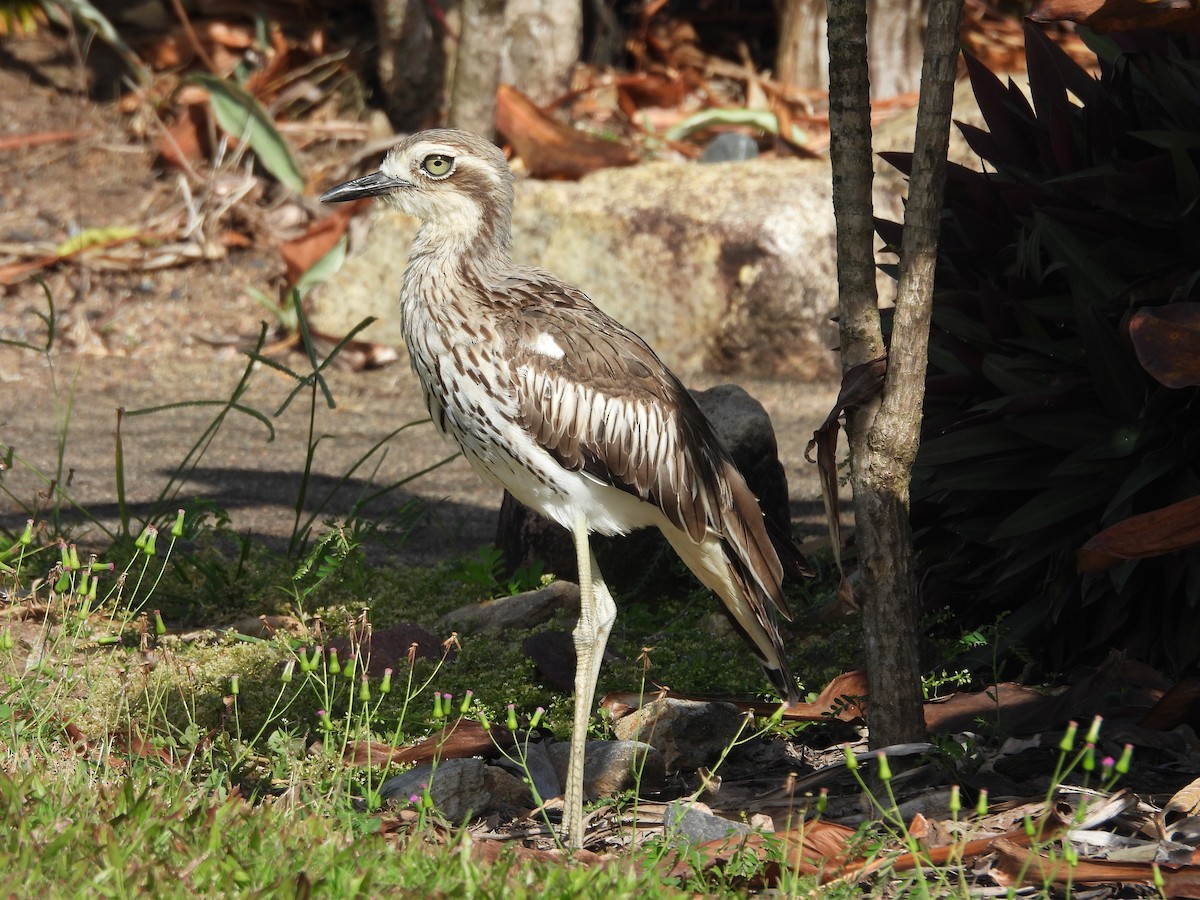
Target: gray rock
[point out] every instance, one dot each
(688, 733)
(460, 788)
(723, 268)
(745, 429)
(728, 267)
(611, 767)
(695, 823)
(729, 146)
(537, 767)
(524, 610)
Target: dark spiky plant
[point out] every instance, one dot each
(1042, 427)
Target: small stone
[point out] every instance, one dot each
(553, 653)
(729, 146)
(460, 788)
(688, 733)
(537, 766)
(612, 767)
(696, 824)
(524, 610)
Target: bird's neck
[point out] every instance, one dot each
(463, 229)
(447, 259)
(437, 245)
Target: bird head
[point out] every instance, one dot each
(453, 180)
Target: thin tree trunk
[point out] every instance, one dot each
(477, 69)
(883, 436)
(850, 154)
(411, 64)
(541, 46)
(895, 36)
(801, 58)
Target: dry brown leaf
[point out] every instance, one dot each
(645, 89)
(1019, 866)
(841, 699)
(461, 739)
(1160, 531)
(822, 849)
(1119, 15)
(235, 240)
(860, 384)
(1180, 705)
(1167, 342)
(15, 271)
(958, 712)
(1185, 802)
(548, 148)
(302, 253)
(186, 140)
(23, 141)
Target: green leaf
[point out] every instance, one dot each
(241, 116)
(1066, 431)
(324, 268)
(1091, 279)
(1019, 375)
(95, 21)
(762, 119)
(969, 444)
(1051, 508)
(1151, 467)
(93, 237)
(1009, 472)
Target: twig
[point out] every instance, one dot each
(22, 141)
(192, 37)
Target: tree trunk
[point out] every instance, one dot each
(890, 621)
(802, 57)
(477, 69)
(541, 47)
(883, 436)
(895, 38)
(895, 35)
(411, 63)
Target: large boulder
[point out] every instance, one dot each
(727, 267)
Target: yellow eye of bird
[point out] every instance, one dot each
(437, 165)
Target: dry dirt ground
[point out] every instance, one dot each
(138, 339)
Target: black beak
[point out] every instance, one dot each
(368, 186)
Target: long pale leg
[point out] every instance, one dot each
(597, 612)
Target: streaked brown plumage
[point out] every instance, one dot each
(566, 408)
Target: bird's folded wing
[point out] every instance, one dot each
(595, 396)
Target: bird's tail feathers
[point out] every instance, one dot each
(723, 569)
(757, 569)
(749, 547)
